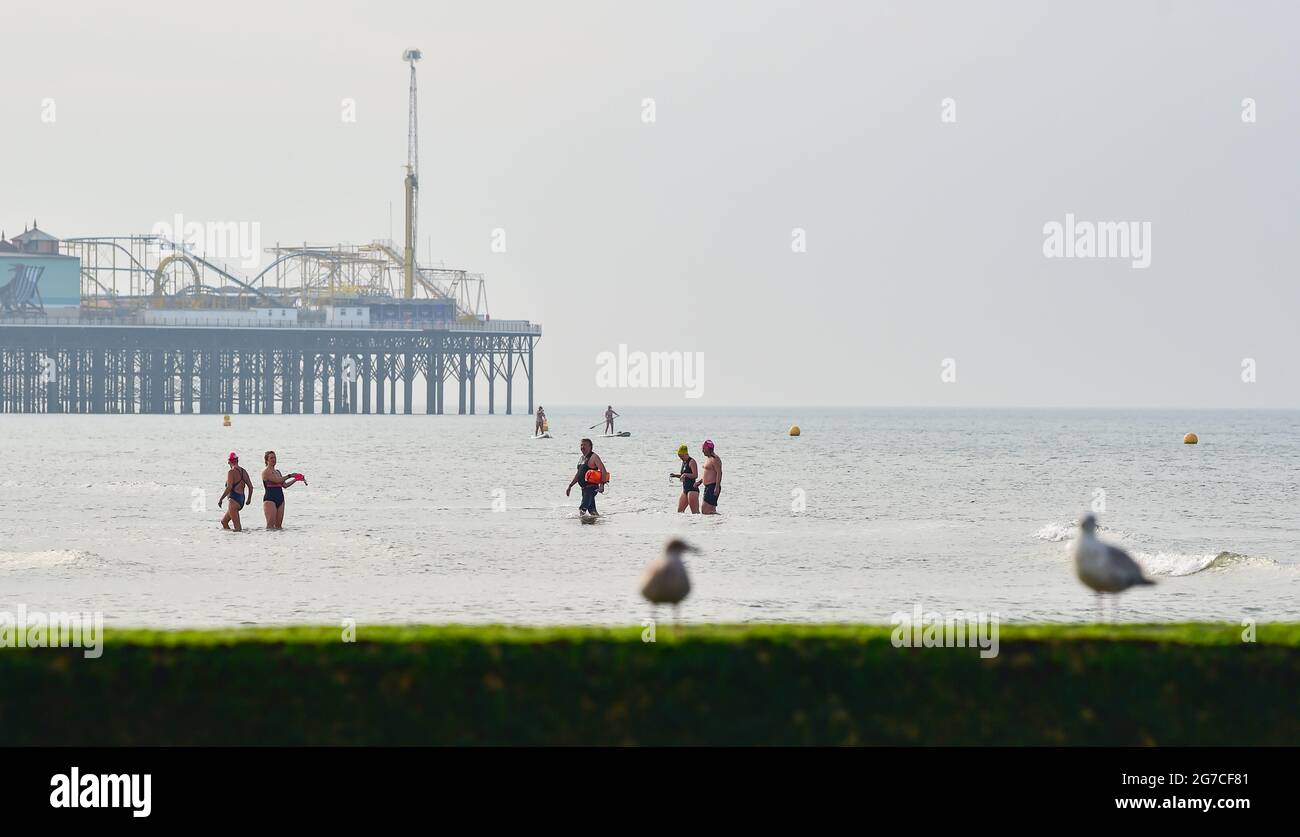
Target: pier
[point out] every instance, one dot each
(127, 365)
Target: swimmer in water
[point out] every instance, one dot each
(275, 483)
(690, 477)
(239, 488)
(589, 462)
(712, 479)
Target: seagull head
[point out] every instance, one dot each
(1088, 524)
(675, 547)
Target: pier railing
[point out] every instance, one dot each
(163, 321)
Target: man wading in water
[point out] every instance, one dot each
(711, 478)
(589, 462)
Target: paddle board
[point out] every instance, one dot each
(616, 435)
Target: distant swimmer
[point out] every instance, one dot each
(540, 427)
(588, 463)
(274, 484)
(610, 415)
(711, 478)
(239, 488)
(690, 477)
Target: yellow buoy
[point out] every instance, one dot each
(794, 430)
(225, 422)
(1190, 439)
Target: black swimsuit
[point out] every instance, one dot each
(688, 482)
(238, 496)
(274, 494)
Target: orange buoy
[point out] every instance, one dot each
(593, 477)
(794, 430)
(1190, 439)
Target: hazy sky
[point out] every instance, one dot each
(924, 238)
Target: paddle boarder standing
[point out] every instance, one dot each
(610, 415)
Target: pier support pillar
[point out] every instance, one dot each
(430, 401)
(408, 381)
(463, 372)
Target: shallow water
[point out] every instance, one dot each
(464, 519)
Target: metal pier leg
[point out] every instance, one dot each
(325, 375)
(129, 401)
(309, 382)
(352, 384)
(441, 361)
(367, 380)
(408, 382)
(463, 373)
(430, 400)
(97, 383)
(268, 382)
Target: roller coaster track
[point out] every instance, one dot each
(396, 258)
(178, 254)
(462, 289)
(452, 293)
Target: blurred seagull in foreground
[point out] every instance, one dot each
(664, 580)
(1104, 568)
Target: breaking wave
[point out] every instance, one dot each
(1159, 563)
(46, 558)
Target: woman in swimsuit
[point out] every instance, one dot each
(275, 483)
(239, 488)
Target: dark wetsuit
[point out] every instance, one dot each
(688, 482)
(274, 494)
(588, 489)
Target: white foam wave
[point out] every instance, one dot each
(1160, 562)
(1056, 533)
(43, 559)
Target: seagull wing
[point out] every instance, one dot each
(1124, 567)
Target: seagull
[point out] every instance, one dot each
(1104, 568)
(664, 580)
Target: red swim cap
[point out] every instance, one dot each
(708, 444)
(234, 457)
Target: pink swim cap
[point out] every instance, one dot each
(233, 457)
(708, 444)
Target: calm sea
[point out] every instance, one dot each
(464, 519)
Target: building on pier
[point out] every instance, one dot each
(34, 276)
